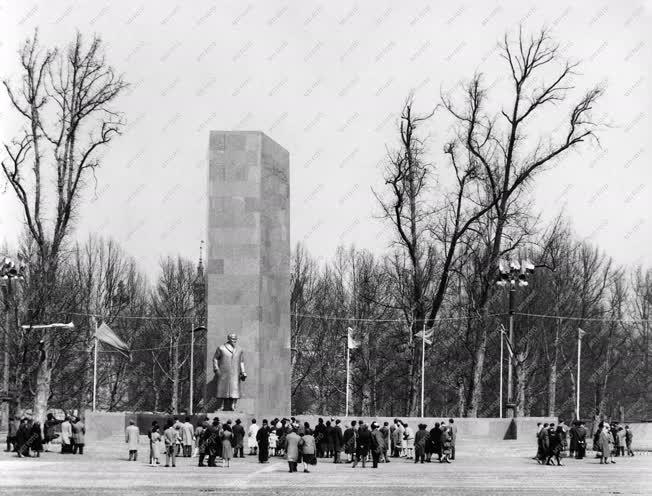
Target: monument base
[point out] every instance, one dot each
(101, 425)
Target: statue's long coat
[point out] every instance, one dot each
(230, 363)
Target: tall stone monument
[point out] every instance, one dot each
(248, 266)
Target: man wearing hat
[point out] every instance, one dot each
(377, 444)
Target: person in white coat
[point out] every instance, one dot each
(187, 437)
(251, 438)
(132, 434)
(66, 436)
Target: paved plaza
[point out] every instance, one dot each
(501, 467)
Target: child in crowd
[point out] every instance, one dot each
(273, 438)
(155, 446)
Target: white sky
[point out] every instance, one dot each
(326, 80)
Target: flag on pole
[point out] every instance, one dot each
(352, 343)
(107, 336)
(428, 337)
(580, 333)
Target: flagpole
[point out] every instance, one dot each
(500, 401)
(346, 413)
(423, 365)
(192, 365)
(577, 399)
(94, 320)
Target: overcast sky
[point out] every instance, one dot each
(326, 81)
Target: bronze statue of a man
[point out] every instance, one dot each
(228, 364)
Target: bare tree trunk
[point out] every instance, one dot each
(478, 368)
(520, 371)
(175, 377)
(409, 407)
(157, 393)
(552, 374)
(461, 398)
(43, 379)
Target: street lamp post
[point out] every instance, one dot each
(515, 274)
(8, 272)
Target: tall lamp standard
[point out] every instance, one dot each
(8, 272)
(514, 273)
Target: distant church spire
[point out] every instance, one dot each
(199, 287)
(200, 265)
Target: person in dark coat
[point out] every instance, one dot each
(22, 438)
(377, 444)
(580, 441)
(597, 445)
(542, 446)
(78, 436)
(36, 439)
(556, 446)
(262, 437)
(50, 427)
(348, 439)
(12, 430)
(213, 441)
(238, 439)
(572, 437)
(421, 439)
(363, 445)
(203, 434)
(392, 429)
(337, 435)
(629, 437)
(385, 431)
(614, 435)
(329, 445)
(435, 438)
(321, 438)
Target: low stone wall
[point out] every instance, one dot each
(642, 432)
(101, 425)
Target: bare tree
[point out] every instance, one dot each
(499, 144)
(65, 99)
(173, 303)
(406, 207)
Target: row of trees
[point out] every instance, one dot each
(451, 224)
(99, 282)
(356, 289)
(586, 289)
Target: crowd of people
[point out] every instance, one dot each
(359, 443)
(298, 443)
(26, 437)
(609, 440)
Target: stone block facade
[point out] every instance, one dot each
(248, 264)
